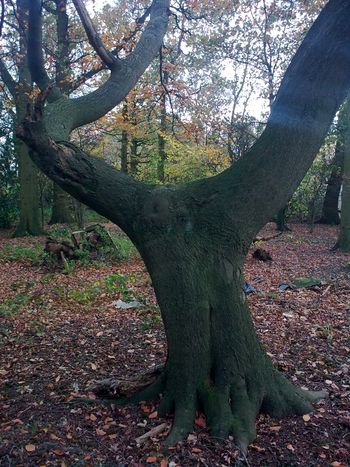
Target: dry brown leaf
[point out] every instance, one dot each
(153, 415)
(30, 447)
(306, 418)
(196, 450)
(58, 451)
(151, 459)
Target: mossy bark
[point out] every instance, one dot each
(344, 232)
(29, 221)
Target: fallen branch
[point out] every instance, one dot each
(113, 388)
(155, 431)
(266, 239)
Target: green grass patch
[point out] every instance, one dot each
(33, 255)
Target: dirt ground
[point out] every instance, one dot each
(59, 332)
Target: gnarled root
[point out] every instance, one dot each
(230, 409)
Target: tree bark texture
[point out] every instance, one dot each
(194, 237)
(29, 221)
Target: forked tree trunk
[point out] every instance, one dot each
(194, 237)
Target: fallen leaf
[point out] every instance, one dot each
(290, 447)
(30, 447)
(100, 432)
(275, 428)
(196, 450)
(163, 463)
(153, 415)
(151, 459)
(93, 366)
(306, 418)
(18, 421)
(58, 452)
(257, 448)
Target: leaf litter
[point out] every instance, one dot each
(58, 333)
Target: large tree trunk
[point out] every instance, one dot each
(215, 361)
(330, 214)
(29, 222)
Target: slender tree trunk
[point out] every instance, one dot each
(281, 224)
(61, 208)
(79, 213)
(134, 158)
(162, 130)
(125, 141)
(330, 214)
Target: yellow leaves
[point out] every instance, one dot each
(190, 161)
(306, 418)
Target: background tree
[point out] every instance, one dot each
(194, 237)
(20, 90)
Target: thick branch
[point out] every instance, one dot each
(96, 104)
(90, 180)
(35, 50)
(10, 83)
(105, 55)
(313, 88)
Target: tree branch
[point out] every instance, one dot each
(2, 16)
(105, 55)
(314, 86)
(90, 180)
(92, 106)
(35, 50)
(10, 83)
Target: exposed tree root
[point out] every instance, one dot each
(148, 384)
(229, 410)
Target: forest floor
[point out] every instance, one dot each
(59, 332)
